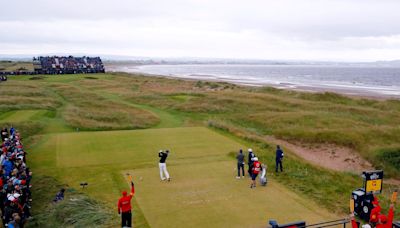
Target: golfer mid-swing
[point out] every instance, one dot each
(163, 166)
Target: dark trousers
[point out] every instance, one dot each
(277, 164)
(126, 219)
(240, 166)
(250, 171)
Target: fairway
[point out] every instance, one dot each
(22, 115)
(203, 190)
(141, 147)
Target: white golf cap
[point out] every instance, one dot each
(161, 151)
(366, 226)
(250, 150)
(255, 159)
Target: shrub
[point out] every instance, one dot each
(390, 156)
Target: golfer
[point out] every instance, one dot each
(240, 163)
(124, 207)
(163, 166)
(278, 158)
(255, 171)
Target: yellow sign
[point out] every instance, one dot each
(374, 185)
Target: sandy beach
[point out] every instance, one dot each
(348, 89)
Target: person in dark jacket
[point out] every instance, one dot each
(4, 134)
(163, 165)
(250, 161)
(278, 158)
(59, 196)
(240, 163)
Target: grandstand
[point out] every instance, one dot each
(67, 65)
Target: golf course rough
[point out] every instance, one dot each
(73, 147)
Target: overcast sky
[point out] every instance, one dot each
(339, 30)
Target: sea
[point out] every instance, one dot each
(352, 80)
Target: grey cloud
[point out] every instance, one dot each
(219, 28)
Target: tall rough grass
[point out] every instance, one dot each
(76, 210)
(87, 110)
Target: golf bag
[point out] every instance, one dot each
(263, 177)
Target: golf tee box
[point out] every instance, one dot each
(373, 181)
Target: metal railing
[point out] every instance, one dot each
(302, 224)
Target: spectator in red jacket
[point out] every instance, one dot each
(124, 207)
(386, 221)
(375, 212)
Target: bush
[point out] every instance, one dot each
(390, 156)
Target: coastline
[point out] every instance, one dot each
(351, 91)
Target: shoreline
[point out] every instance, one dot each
(342, 90)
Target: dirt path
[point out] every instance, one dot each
(326, 155)
(330, 156)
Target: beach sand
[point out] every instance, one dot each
(352, 91)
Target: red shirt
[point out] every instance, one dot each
(389, 221)
(256, 167)
(124, 203)
(354, 223)
(375, 212)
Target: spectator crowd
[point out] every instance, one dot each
(15, 177)
(67, 65)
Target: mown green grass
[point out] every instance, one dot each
(137, 147)
(25, 115)
(207, 194)
(199, 164)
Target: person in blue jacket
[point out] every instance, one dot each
(278, 158)
(8, 167)
(12, 130)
